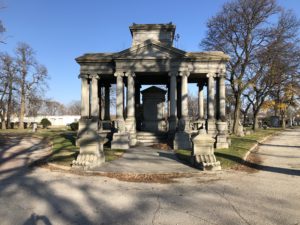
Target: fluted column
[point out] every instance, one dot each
(173, 103)
(94, 96)
(200, 101)
(107, 102)
(85, 90)
(222, 97)
(211, 97)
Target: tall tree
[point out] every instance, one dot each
(32, 75)
(240, 29)
(9, 77)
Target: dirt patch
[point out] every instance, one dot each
(252, 163)
(162, 178)
(162, 146)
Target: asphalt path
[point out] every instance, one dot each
(270, 195)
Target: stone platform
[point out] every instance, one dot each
(147, 160)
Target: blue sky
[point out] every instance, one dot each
(61, 30)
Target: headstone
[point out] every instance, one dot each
(153, 109)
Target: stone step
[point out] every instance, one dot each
(145, 138)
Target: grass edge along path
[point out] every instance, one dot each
(234, 155)
(62, 143)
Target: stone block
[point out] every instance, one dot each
(203, 152)
(91, 153)
(182, 140)
(120, 141)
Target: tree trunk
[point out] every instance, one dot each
(22, 109)
(236, 115)
(255, 121)
(9, 106)
(283, 122)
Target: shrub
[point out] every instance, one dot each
(74, 126)
(45, 123)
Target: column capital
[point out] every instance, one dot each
(129, 73)
(83, 76)
(184, 73)
(119, 74)
(211, 75)
(94, 76)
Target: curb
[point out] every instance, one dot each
(258, 143)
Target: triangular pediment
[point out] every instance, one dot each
(151, 49)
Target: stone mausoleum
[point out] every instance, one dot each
(153, 114)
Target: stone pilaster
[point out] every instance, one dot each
(173, 103)
(130, 120)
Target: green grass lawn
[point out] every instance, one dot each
(234, 154)
(64, 150)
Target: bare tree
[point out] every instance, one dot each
(32, 75)
(74, 108)
(240, 29)
(8, 76)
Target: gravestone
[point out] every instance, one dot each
(153, 109)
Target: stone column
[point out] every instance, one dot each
(91, 153)
(184, 101)
(107, 102)
(130, 120)
(200, 101)
(85, 90)
(130, 96)
(182, 139)
(211, 123)
(119, 102)
(222, 96)
(121, 138)
(95, 99)
(222, 137)
(138, 105)
(211, 97)
(173, 104)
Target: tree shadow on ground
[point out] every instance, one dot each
(257, 166)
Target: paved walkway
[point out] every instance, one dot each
(147, 160)
(41, 196)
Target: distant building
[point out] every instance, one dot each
(55, 120)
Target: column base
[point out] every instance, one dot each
(182, 140)
(131, 129)
(212, 128)
(222, 137)
(120, 141)
(91, 153)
